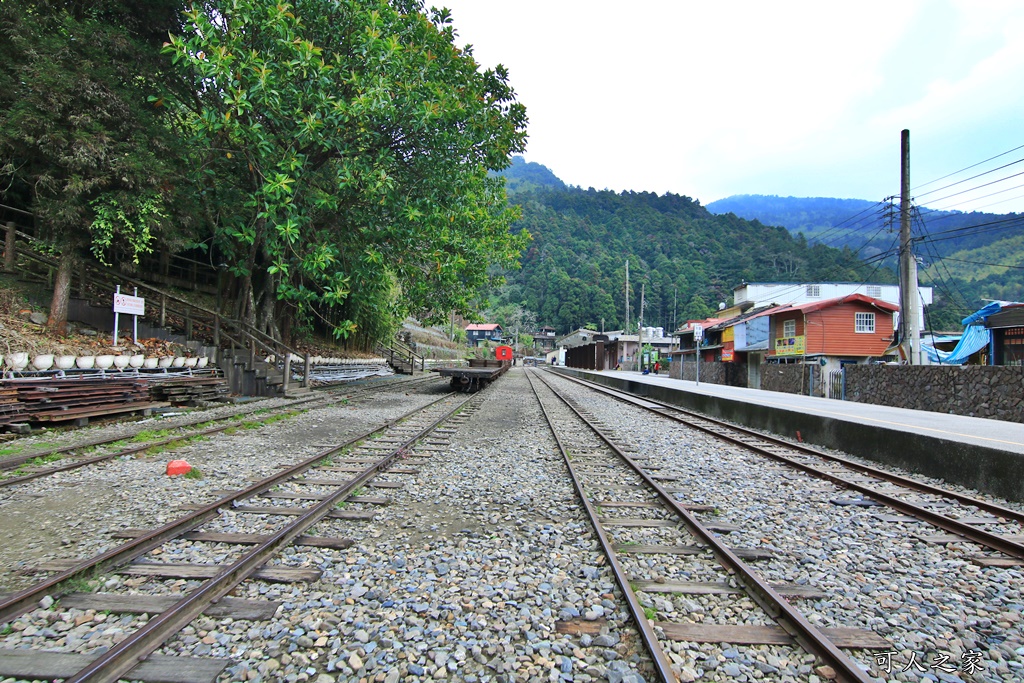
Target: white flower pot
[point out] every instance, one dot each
(178, 362)
(203, 362)
(137, 360)
(165, 362)
(85, 362)
(150, 363)
(17, 360)
(104, 362)
(43, 361)
(191, 362)
(65, 362)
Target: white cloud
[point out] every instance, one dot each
(711, 99)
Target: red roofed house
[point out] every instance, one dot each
(853, 328)
(477, 333)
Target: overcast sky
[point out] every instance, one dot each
(711, 99)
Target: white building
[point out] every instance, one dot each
(795, 294)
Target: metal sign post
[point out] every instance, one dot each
(135, 305)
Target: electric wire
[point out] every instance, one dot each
(948, 283)
(973, 177)
(967, 168)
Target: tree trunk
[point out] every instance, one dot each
(58, 320)
(9, 253)
(267, 304)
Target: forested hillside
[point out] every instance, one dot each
(331, 157)
(573, 272)
(966, 257)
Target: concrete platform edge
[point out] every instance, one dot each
(994, 471)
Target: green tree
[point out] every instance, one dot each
(358, 138)
(94, 160)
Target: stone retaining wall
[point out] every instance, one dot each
(995, 392)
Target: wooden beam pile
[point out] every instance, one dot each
(188, 390)
(55, 400)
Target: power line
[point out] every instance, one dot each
(940, 266)
(982, 263)
(1016, 220)
(968, 201)
(972, 189)
(950, 175)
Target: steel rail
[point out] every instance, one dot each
(116, 662)
(27, 599)
(966, 531)
(806, 634)
(82, 462)
(277, 410)
(650, 638)
(15, 461)
(326, 394)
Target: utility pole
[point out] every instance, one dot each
(910, 333)
(640, 329)
(626, 330)
(675, 322)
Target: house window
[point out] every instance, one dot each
(813, 290)
(789, 328)
(865, 322)
(875, 291)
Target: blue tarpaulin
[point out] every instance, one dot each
(975, 337)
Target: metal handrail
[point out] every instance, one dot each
(247, 332)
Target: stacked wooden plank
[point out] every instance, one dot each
(53, 400)
(188, 390)
(9, 406)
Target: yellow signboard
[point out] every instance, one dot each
(789, 346)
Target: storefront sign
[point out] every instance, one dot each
(789, 346)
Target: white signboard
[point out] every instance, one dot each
(698, 332)
(133, 305)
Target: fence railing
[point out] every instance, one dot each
(215, 326)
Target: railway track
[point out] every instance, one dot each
(18, 469)
(594, 459)
(948, 510)
(306, 493)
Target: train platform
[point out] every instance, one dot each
(984, 454)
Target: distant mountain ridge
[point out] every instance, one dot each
(684, 258)
(527, 175)
(966, 257)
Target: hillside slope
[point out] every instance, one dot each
(686, 258)
(966, 257)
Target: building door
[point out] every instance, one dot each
(754, 370)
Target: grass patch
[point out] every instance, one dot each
(194, 473)
(650, 613)
(81, 584)
(14, 449)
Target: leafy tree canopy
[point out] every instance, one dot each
(346, 144)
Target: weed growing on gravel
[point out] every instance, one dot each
(194, 473)
(650, 613)
(13, 449)
(35, 462)
(6, 630)
(150, 435)
(80, 584)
